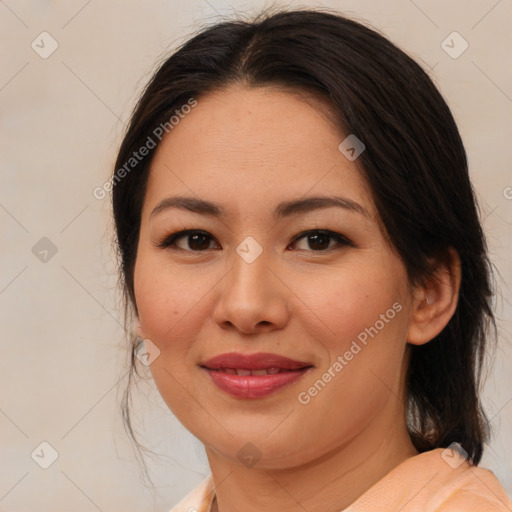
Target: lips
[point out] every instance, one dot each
(253, 362)
(243, 371)
(253, 375)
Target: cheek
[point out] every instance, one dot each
(167, 303)
(171, 316)
(361, 322)
(349, 303)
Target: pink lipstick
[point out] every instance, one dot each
(253, 375)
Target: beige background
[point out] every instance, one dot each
(63, 357)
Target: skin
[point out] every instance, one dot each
(249, 149)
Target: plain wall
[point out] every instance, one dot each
(63, 365)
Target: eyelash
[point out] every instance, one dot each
(341, 240)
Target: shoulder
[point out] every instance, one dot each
(436, 481)
(473, 489)
(198, 499)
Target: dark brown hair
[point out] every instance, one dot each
(415, 164)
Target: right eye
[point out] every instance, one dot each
(197, 241)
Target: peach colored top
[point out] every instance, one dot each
(439, 480)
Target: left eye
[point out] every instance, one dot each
(199, 241)
(321, 238)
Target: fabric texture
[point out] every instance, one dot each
(440, 480)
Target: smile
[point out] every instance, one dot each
(243, 371)
(255, 375)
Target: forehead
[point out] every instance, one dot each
(256, 146)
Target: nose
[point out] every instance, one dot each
(252, 297)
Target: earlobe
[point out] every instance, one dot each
(435, 302)
(137, 327)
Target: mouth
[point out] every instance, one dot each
(244, 371)
(255, 375)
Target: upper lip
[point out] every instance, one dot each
(259, 361)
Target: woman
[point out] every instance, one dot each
(326, 337)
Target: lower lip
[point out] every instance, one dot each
(254, 386)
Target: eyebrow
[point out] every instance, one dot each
(284, 209)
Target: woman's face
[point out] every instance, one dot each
(252, 282)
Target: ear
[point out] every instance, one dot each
(137, 327)
(435, 301)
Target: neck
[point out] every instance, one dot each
(329, 483)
